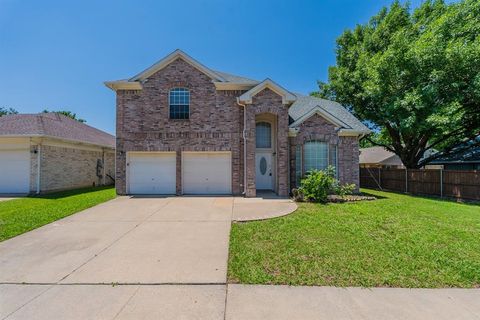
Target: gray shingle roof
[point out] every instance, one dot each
(233, 78)
(471, 155)
(53, 125)
(305, 104)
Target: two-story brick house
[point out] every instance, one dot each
(183, 128)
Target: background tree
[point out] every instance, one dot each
(68, 114)
(5, 111)
(414, 75)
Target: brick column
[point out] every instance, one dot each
(120, 169)
(251, 190)
(179, 173)
(282, 154)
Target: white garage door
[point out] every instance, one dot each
(14, 171)
(151, 173)
(207, 173)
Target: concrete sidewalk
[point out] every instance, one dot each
(234, 302)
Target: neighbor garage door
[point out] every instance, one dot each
(207, 172)
(14, 171)
(151, 172)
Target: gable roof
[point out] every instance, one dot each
(306, 106)
(177, 54)
(222, 80)
(53, 125)
(287, 96)
(378, 155)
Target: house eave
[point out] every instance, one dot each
(351, 133)
(287, 97)
(233, 86)
(44, 136)
(123, 85)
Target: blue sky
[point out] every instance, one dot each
(57, 54)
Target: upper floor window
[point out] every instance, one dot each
(263, 135)
(179, 101)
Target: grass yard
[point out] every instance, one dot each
(395, 241)
(21, 215)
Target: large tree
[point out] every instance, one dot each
(414, 75)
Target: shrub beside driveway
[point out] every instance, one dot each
(21, 215)
(395, 241)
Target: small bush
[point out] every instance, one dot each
(319, 184)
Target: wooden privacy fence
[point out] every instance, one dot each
(434, 182)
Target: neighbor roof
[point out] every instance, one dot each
(469, 156)
(378, 155)
(305, 106)
(53, 125)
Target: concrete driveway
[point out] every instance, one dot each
(166, 258)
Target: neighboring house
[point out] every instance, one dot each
(48, 151)
(183, 128)
(379, 157)
(466, 160)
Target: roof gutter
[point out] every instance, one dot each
(57, 138)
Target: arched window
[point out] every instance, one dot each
(179, 101)
(263, 135)
(315, 156)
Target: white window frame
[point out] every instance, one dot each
(170, 103)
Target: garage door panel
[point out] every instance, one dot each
(207, 173)
(152, 173)
(14, 171)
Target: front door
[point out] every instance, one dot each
(263, 171)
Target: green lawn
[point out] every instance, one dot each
(395, 241)
(22, 215)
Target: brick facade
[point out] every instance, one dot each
(268, 101)
(216, 124)
(319, 129)
(69, 167)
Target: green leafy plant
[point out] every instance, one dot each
(319, 184)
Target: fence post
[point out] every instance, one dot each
(441, 183)
(406, 180)
(380, 177)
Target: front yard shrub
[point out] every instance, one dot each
(319, 184)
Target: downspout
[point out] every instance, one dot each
(244, 136)
(39, 151)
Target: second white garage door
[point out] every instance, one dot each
(207, 172)
(151, 172)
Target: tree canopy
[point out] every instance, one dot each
(68, 114)
(414, 75)
(6, 110)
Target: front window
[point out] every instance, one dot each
(316, 155)
(179, 100)
(263, 135)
